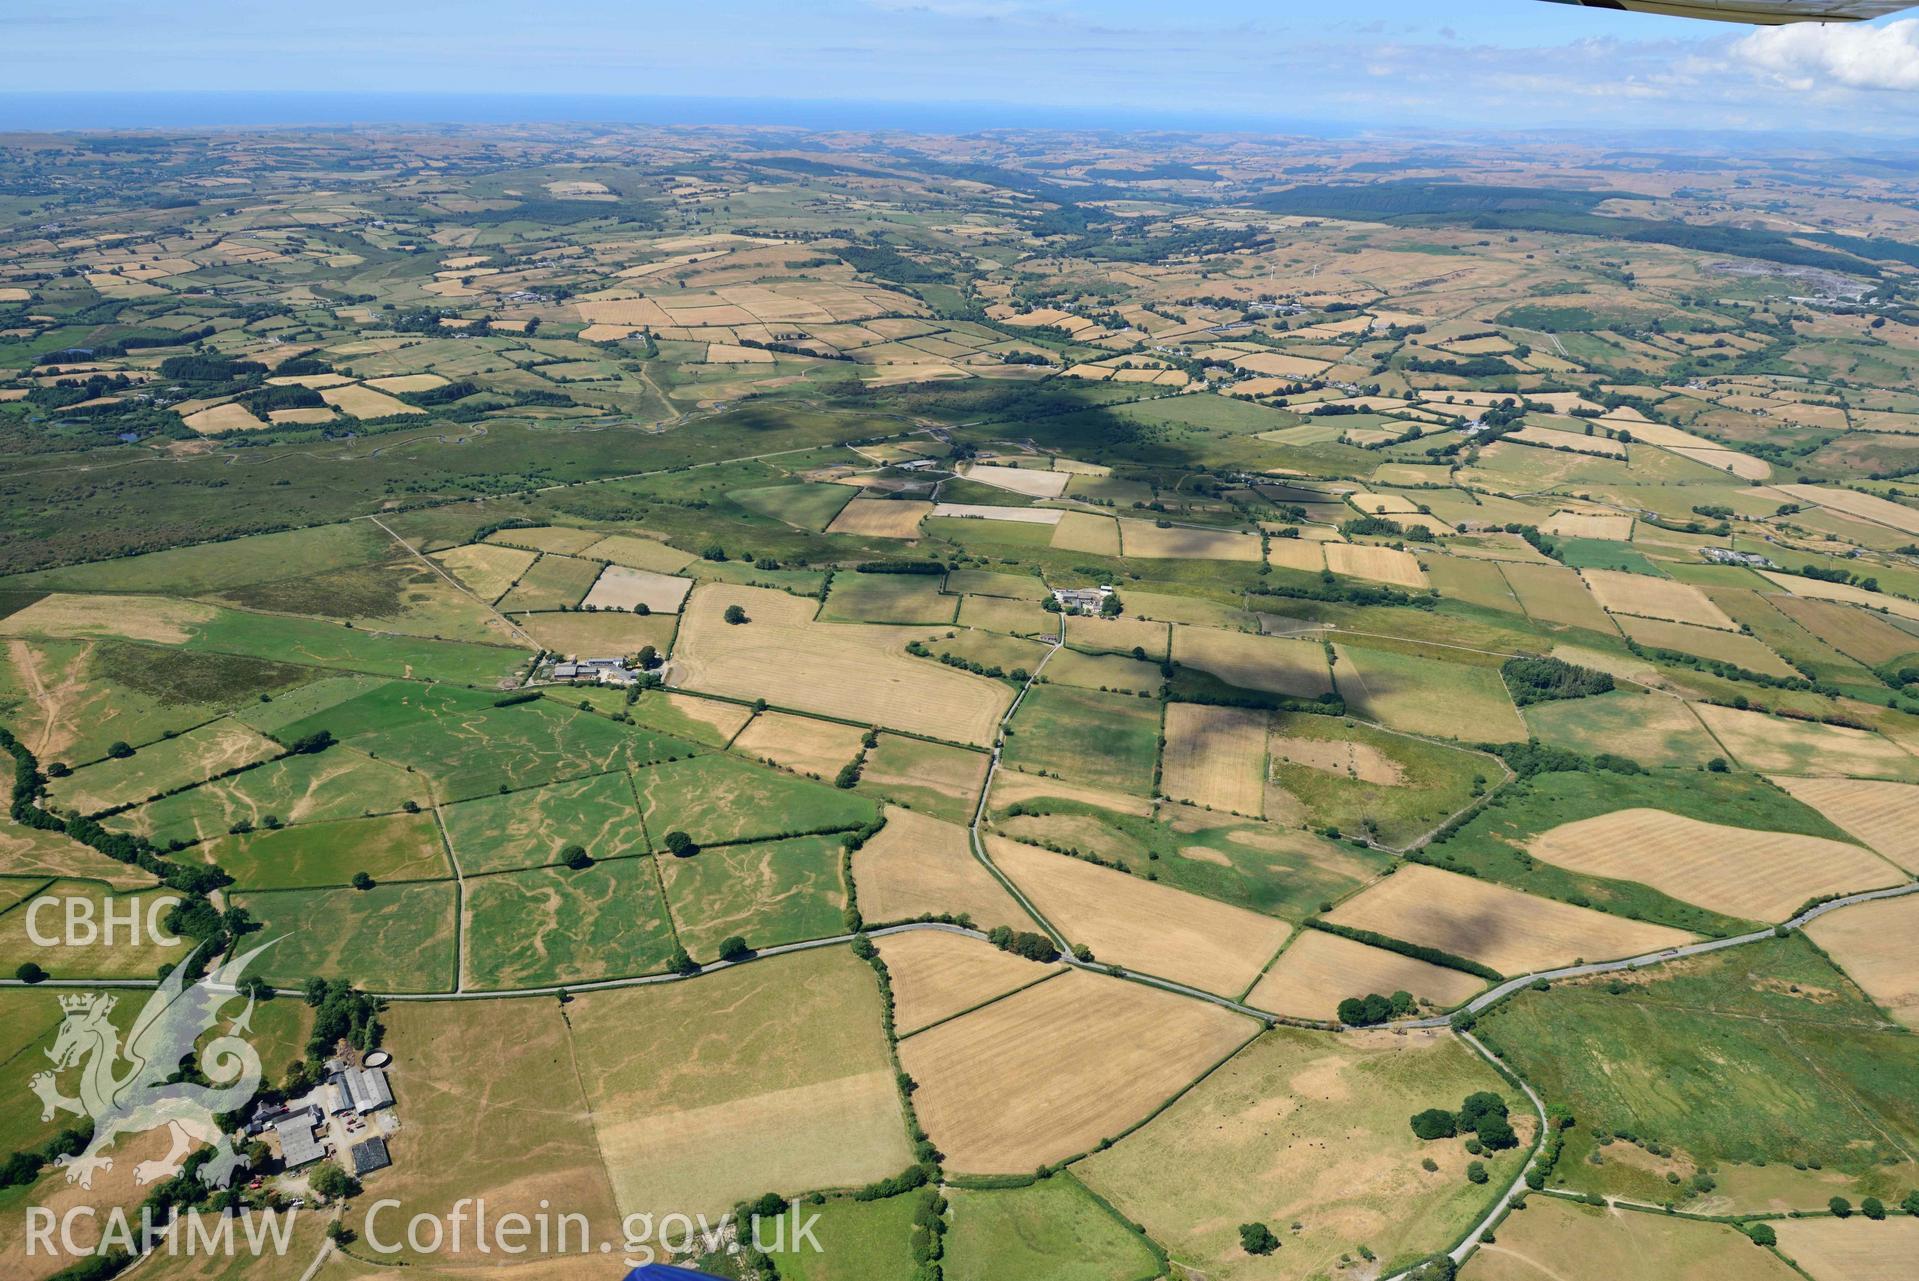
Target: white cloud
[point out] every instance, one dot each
(1813, 56)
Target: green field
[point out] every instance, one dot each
(1051, 1231)
(1762, 1054)
(1427, 696)
(531, 828)
(930, 777)
(392, 938)
(551, 582)
(888, 598)
(396, 847)
(767, 893)
(86, 950)
(171, 763)
(308, 788)
(211, 567)
(858, 1240)
(720, 799)
(551, 925)
(314, 643)
(988, 582)
(802, 506)
(1099, 740)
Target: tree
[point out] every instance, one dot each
(680, 845)
(1911, 1204)
(734, 614)
(361, 881)
(681, 963)
(30, 973)
(1840, 1207)
(1762, 1234)
(119, 749)
(1257, 1238)
(576, 857)
(734, 948)
(1476, 1172)
(1111, 606)
(1435, 1123)
(333, 1183)
(1873, 1208)
(1478, 1107)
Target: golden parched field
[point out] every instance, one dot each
(622, 588)
(1852, 1249)
(1141, 924)
(1512, 932)
(857, 671)
(1048, 1072)
(1379, 564)
(1873, 942)
(799, 743)
(916, 866)
(1309, 1128)
(881, 517)
(1540, 1243)
(1780, 745)
(1647, 597)
(937, 975)
(1145, 539)
(486, 569)
(1274, 664)
(1761, 876)
(1029, 481)
(770, 1076)
(1215, 757)
(1319, 970)
(1883, 815)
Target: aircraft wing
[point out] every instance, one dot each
(1769, 12)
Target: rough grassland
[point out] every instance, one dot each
(392, 938)
(1758, 1053)
(772, 1076)
(935, 779)
(1760, 876)
(1101, 740)
(529, 829)
(1852, 1249)
(1215, 757)
(1048, 1072)
(858, 1241)
(1649, 728)
(1049, 1231)
(553, 582)
(1353, 776)
(1557, 1240)
(769, 893)
(1883, 815)
(492, 1108)
(395, 847)
(1319, 970)
(1776, 745)
(1251, 661)
(1427, 696)
(917, 866)
(1309, 1128)
(556, 925)
(1512, 932)
(1140, 924)
(1873, 943)
(937, 975)
(548, 538)
(309, 788)
(856, 672)
(722, 798)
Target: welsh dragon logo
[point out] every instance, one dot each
(127, 1089)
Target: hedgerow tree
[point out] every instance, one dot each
(1257, 1238)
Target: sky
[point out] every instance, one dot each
(1408, 65)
